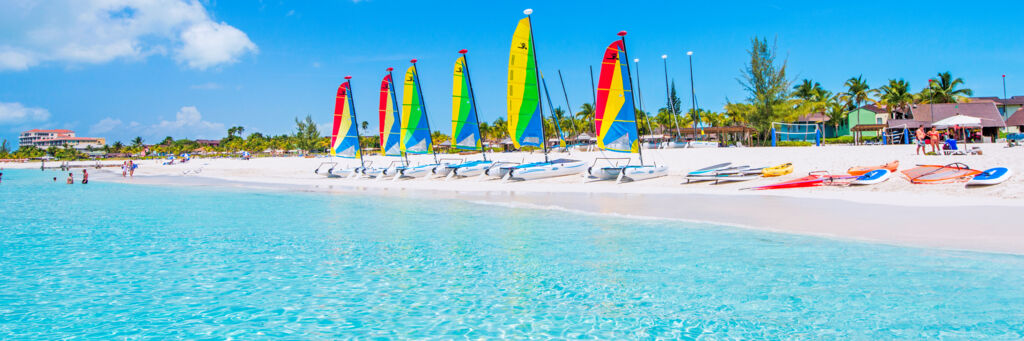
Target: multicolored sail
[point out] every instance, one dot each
(614, 117)
(415, 129)
(390, 127)
(465, 131)
(344, 136)
(524, 116)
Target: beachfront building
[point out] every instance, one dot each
(1006, 106)
(1015, 124)
(46, 138)
(868, 115)
(926, 114)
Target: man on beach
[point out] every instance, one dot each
(131, 168)
(85, 177)
(920, 139)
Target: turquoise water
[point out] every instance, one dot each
(110, 260)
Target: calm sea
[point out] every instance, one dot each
(116, 261)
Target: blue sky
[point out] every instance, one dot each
(192, 69)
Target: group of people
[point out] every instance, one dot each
(71, 177)
(128, 168)
(935, 137)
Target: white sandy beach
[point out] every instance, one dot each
(942, 215)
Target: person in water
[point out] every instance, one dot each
(71, 178)
(55, 179)
(1, 177)
(85, 177)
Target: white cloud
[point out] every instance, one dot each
(206, 86)
(210, 44)
(99, 31)
(14, 113)
(105, 125)
(188, 121)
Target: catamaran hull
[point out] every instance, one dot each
(418, 171)
(629, 173)
(547, 170)
(474, 169)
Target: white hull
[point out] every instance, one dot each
(547, 170)
(867, 182)
(418, 171)
(628, 173)
(702, 144)
(473, 169)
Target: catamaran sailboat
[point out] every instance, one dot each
(615, 119)
(344, 133)
(465, 122)
(525, 112)
(416, 133)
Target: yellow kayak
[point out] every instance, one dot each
(779, 170)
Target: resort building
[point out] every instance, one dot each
(46, 138)
(864, 116)
(925, 114)
(1015, 123)
(1006, 106)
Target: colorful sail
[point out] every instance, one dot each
(524, 116)
(415, 129)
(551, 109)
(390, 127)
(614, 117)
(344, 137)
(465, 131)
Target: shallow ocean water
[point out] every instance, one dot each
(109, 260)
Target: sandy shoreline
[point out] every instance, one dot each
(947, 216)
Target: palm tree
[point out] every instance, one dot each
(857, 92)
(137, 141)
(835, 111)
(808, 90)
(944, 90)
(499, 128)
(586, 115)
(365, 125)
(118, 146)
(896, 95)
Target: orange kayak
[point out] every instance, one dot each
(861, 170)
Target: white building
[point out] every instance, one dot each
(46, 138)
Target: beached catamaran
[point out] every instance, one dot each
(465, 122)
(525, 113)
(615, 119)
(345, 132)
(390, 127)
(416, 133)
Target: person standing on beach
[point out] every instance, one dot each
(920, 139)
(933, 137)
(71, 178)
(131, 168)
(124, 169)
(85, 177)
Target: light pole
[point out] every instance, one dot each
(1005, 114)
(640, 96)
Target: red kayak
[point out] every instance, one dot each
(812, 179)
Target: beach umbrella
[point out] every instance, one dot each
(958, 121)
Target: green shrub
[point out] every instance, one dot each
(838, 140)
(794, 144)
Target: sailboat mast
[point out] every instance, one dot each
(572, 120)
(465, 61)
(398, 108)
(426, 117)
(668, 95)
(640, 147)
(355, 122)
(543, 132)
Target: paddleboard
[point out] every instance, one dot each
(992, 176)
(872, 177)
